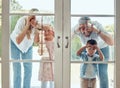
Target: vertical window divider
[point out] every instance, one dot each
(5, 44)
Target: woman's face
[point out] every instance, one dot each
(33, 21)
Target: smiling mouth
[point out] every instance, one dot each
(88, 34)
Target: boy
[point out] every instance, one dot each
(88, 71)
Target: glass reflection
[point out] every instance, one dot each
(43, 30)
(0, 38)
(0, 6)
(44, 35)
(23, 6)
(75, 76)
(0, 77)
(92, 7)
(76, 42)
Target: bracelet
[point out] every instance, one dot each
(99, 32)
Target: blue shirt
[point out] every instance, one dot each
(83, 68)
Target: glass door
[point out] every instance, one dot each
(63, 16)
(0, 45)
(102, 19)
(26, 64)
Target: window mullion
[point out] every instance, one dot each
(5, 43)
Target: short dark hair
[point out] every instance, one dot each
(92, 42)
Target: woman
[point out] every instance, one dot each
(22, 38)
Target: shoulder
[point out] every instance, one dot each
(95, 22)
(22, 19)
(83, 55)
(96, 57)
(98, 25)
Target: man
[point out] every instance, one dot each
(87, 30)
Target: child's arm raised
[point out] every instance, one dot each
(80, 50)
(100, 53)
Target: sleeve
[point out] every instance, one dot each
(82, 55)
(75, 29)
(98, 26)
(98, 58)
(19, 27)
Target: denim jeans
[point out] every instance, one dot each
(16, 54)
(44, 84)
(103, 69)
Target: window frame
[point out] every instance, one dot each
(5, 62)
(67, 61)
(62, 22)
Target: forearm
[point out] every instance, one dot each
(21, 36)
(107, 38)
(80, 50)
(36, 38)
(100, 54)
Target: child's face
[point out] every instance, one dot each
(91, 49)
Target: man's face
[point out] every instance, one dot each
(85, 29)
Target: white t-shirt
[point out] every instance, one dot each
(95, 36)
(90, 69)
(26, 43)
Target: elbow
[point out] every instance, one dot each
(18, 41)
(77, 53)
(102, 59)
(111, 43)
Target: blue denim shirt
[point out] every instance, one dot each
(84, 57)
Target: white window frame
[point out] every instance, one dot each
(66, 55)
(5, 43)
(62, 22)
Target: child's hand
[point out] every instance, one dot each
(88, 45)
(96, 47)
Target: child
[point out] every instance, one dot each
(46, 74)
(88, 71)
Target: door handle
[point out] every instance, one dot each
(66, 46)
(58, 41)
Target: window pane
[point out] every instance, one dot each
(75, 76)
(108, 25)
(40, 72)
(23, 6)
(92, 7)
(43, 51)
(0, 37)
(0, 77)
(0, 6)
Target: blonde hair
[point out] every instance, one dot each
(32, 14)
